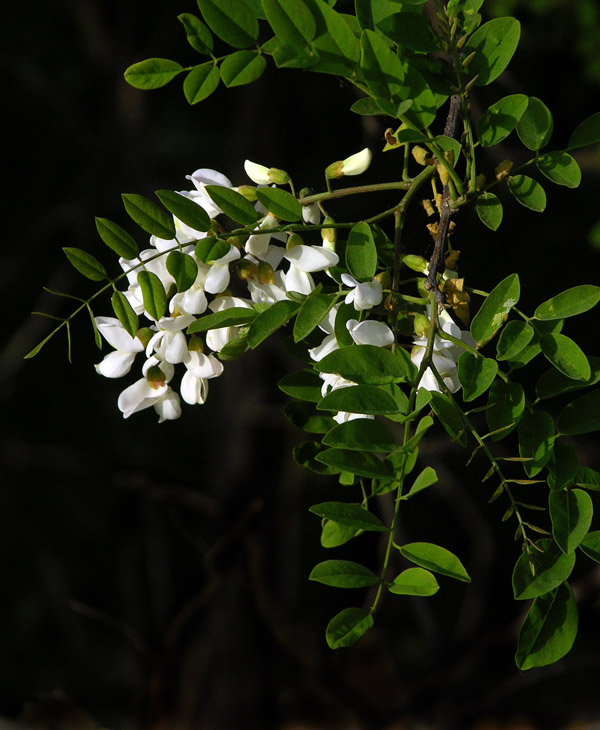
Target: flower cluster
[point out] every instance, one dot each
(271, 264)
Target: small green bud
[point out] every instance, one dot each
(294, 239)
(422, 325)
(329, 235)
(195, 344)
(144, 334)
(266, 274)
(248, 191)
(155, 377)
(416, 263)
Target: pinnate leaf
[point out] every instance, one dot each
(348, 627)
(188, 212)
(152, 73)
(121, 242)
(153, 293)
(85, 263)
(571, 513)
(149, 216)
(535, 126)
(232, 20)
(414, 582)
(569, 303)
(201, 82)
(541, 570)
(495, 309)
(494, 44)
(124, 312)
(586, 133)
(435, 558)
(343, 574)
(528, 192)
(349, 514)
(242, 67)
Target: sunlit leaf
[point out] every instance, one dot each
(569, 303)
(282, 204)
(149, 216)
(494, 44)
(566, 356)
(541, 570)
(495, 309)
(571, 513)
(242, 67)
(514, 337)
(365, 364)
(185, 209)
(152, 73)
(201, 82)
(489, 210)
(343, 574)
(232, 204)
(435, 558)
(270, 320)
(500, 119)
(528, 192)
(549, 629)
(561, 168)
(348, 627)
(414, 582)
(475, 374)
(535, 126)
(198, 35)
(232, 20)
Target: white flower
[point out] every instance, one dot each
(370, 332)
(201, 178)
(445, 355)
(199, 369)
(262, 175)
(258, 243)
(152, 391)
(363, 295)
(170, 343)
(192, 300)
(217, 279)
(311, 258)
(119, 362)
(216, 339)
(357, 163)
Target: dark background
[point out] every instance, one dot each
(156, 576)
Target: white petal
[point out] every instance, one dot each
(370, 332)
(136, 397)
(357, 163)
(349, 280)
(193, 390)
(257, 173)
(115, 364)
(298, 281)
(367, 295)
(168, 407)
(311, 258)
(217, 279)
(176, 347)
(328, 345)
(116, 335)
(206, 176)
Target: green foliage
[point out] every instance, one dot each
(369, 406)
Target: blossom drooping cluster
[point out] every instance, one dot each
(271, 264)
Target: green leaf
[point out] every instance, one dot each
(211, 249)
(85, 263)
(304, 415)
(232, 204)
(282, 204)
(360, 463)
(345, 312)
(489, 210)
(270, 320)
(152, 73)
(291, 21)
(335, 43)
(427, 478)
(495, 309)
(305, 455)
(534, 348)
(551, 567)
(334, 535)
(566, 356)
(314, 308)
(435, 558)
(475, 374)
(549, 629)
(562, 466)
(242, 67)
(149, 216)
(117, 239)
(185, 209)
(410, 30)
(571, 513)
(590, 545)
(500, 119)
(414, 582)
(494, 44)
(198, 35)
(581, 415)
(528, 192)
(232, 20)
(586, 133)
(348, 627)
(343, 574)
(587, 478)
(349, 514)
(201, 82)
(505, 407)
(561, 168)
(153, 293)
(514, 337)
(363, 399)
(535, 126)
(383, 70)
(536, 437)
(361, 252)
(304, 385)
(553, 382)
(569, 303)
(183, 269)
(449, 416)
(365, 364)
(366, 106)
(362, 434)
(124, 312)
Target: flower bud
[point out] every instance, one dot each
(195, 344)
(329, 235)
(248, 191)
(262, 175)
(416, 263)
(480, 182)
(155, 377)
(294, 239)
(383, 277)
(353, 165)
(421, 155)
(144, 335)
(422, 325)
(266, 274)
(247, 269)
